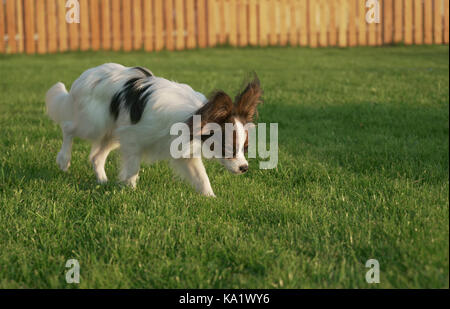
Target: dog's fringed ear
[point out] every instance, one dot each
(247, 101)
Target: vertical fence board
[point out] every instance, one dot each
(2, 29)
(137, 24)
(106, 24)
(273, 36)
(437, 19)
(293, 35)
(148, 25)
(11, 25)
(332, 32)
(312, 23)
(212, 33)
(62, 27)
(263, 23)
(282, 22)
(233, 23)
(387, 21)
(408, 22)
(362, 25)
(372, 31)
(446, 30)
(428, 21)
(243, 39)
(116, 25)
(201, 23)
(159, 22)
(343, 23)
(323, 23)
(20, 34)
(126, 25)
(179, 24)
(398, 21)
(84, 25)
(190, 24)
(351, 5)
(252, 23)
(379, 26)
(168, 14)
(222, 27)
(40, 23)
(418, 22)
(52, 38)
(94, 15)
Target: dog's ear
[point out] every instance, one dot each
(247, 101)
(218, 109)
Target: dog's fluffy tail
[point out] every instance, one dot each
(59, 103)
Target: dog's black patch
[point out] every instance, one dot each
(146, 71)
(133, 98)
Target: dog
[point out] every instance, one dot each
(130, 108)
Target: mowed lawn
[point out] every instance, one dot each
(362, 174)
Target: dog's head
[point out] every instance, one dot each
(236, 117)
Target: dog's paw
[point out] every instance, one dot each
(63, 161)
(102, 180)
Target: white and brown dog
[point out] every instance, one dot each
(112, 105)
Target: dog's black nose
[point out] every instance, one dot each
(243, 168)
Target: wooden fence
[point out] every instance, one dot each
(40, 25)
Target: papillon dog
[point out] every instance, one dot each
(115, 106)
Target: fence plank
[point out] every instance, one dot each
(40, 24)
(332, 32)
(116, 25)
(343, 23)
(11, 25)
(179, 24)
(387, 21)
(352, 40)
(2, 28)
(106, 24)
(293, 29)
(437, 19)
(379, 26)
(282, 22)
(273, 35)
(94, 16)
(137, 24)
(233, 23)
(62, 26)
(446, 30)
(428, 21)
(20, 34)
(372, 31)
(253, 23)
(323, 23)
(418, 22)
(222, 27)
(212, 33)
(362, 25)
(168, 13)
(398, 21)
(148, 25)
(201, 23)
(84, 25)
(312, 23)
(126, 25)
(159, 22)
(190, 23)
(243, 39)
(263, 23)
(52, 38)
(408, 22)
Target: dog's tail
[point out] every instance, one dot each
(59, 103)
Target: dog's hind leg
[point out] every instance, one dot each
(64, 155)
(99, 153)
(194, 172)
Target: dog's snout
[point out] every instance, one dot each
(243, 168)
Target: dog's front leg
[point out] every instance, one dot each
(194, 172)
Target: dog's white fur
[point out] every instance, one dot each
(84, 112)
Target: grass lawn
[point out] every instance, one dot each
(362, 174)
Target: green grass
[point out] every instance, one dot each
(363, 173)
